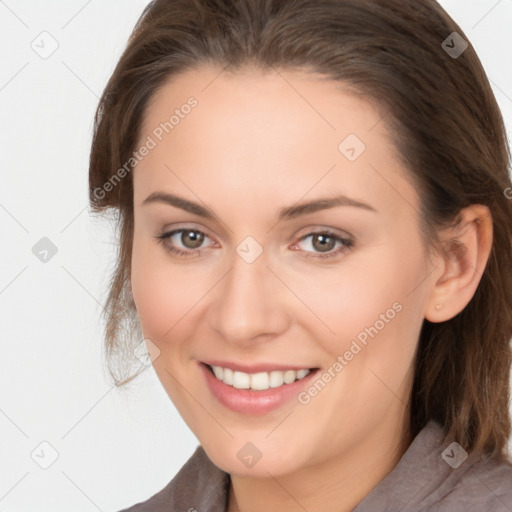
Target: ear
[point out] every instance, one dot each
(458, 272)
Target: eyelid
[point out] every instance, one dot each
(318, 229)
(174, 228)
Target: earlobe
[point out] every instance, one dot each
(467, 248)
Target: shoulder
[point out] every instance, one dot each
(199, 485)
(435, 475)
(458, 482)
(463, 483)
(486, 484)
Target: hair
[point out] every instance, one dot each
(445, 124)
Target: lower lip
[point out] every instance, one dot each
(248, 401)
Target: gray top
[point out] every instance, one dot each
(429, 477)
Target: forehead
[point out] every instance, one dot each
(262, 100)
(251, 130)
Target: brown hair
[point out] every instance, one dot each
(446, 126)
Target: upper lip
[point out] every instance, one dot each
(257, 368)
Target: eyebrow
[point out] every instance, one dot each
(289, 212)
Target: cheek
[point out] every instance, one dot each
(376, 319)
(375, 300)
(157, 295)
(167, 296)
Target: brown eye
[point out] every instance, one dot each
(323, 242)
(192, 239)
(323, 245)
(184, 242)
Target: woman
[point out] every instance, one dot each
(316, 246)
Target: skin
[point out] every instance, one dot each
(258, 142)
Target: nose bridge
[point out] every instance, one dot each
(248, 303)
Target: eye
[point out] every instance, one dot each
(184, 242)
(323, 244)
(187, 242)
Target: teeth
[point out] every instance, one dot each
(289, 376)
(241, 380)
(257, 381)
(276, 379)
(302, 373)
(227, 375)
(218, 371)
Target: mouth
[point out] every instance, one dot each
(258, 381)
(257, 390)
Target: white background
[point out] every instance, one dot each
(115, 447)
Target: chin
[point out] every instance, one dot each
(253, 459)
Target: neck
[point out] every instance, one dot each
(337, 484)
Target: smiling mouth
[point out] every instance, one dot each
(259, 381)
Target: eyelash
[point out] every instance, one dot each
(346, 243)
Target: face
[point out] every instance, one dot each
(290, 259)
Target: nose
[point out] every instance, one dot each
(249, 305)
